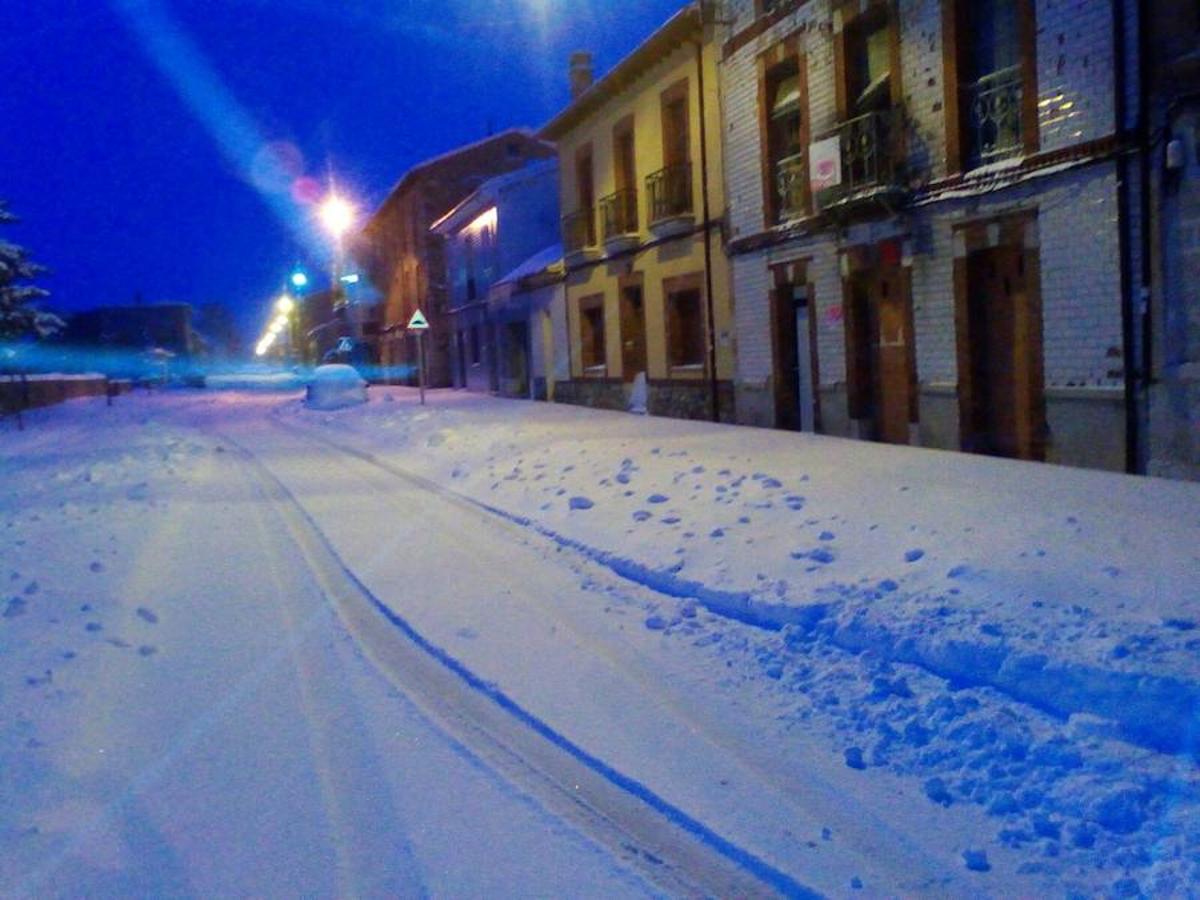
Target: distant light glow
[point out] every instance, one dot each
(299, 279)
(269, 167)
(284, 305)
(350, 279)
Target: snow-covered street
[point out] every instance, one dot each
(498, 648)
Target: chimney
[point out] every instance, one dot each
(581, 72)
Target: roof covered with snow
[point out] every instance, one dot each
(540, 262)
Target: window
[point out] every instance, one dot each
(475, 352)
(685, 326)
(869, 133)
(579, 229)
(469, 266)
(991, 81)
(785, 169)
(869, 66)
(591, 333)
(676, 146)
(585, 187)
(619, 210)
(669, 190)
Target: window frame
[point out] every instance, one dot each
(593, 353)
(676, 97)
(673, 287)
(774, 65)
(955, 50)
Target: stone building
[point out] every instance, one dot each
(404, 259)
(1173, 174)
(492, 232)
(647, 279)
(932, 224)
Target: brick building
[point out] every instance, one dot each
(647, 278)
(934, 234)
(405, 261)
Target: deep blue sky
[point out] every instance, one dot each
(129, 128)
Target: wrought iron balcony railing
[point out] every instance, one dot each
(791, 174)
(670, 192)
(994, 107)
(619, 214)
(868, 150)
(579, 230)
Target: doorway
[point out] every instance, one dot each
(1003, 401)
(516, 359)
(795, 373)
(880, 359)
(633, 332)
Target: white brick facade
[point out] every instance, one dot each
(1070, 188)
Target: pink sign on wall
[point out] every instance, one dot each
(825, 163)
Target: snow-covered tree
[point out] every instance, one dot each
(18, 316)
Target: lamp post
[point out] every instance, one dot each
(285, 308)
(337, 215)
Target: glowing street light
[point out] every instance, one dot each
(336, 215)
(299, 279)
(284, 305)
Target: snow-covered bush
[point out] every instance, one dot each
(335, 386)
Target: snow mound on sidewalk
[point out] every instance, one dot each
(335, 387)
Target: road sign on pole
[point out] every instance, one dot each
(419, 324)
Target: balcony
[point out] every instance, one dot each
(670, 193)
(579, 234)
(791, 173)
(619, 220)
(870, 165)
(994, 115)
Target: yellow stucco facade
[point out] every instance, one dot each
(646, 231)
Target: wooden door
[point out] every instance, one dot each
(892, 349)
(633, 332)
(787, 386)
(861, 330)
(1006, 404)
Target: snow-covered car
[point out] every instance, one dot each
(335, 386)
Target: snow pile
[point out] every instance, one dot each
(335, 386)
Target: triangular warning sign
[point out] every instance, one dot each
(418, 322)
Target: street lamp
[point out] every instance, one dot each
(337, 215)
(285, 306)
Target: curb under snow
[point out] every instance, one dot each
(1157, 712)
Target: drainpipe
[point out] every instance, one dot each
(714, 400)
(1145, 181)
(1129, 344)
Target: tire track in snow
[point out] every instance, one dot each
(665, 843)
(352, 814)
(814, 794)
(1161, 713)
